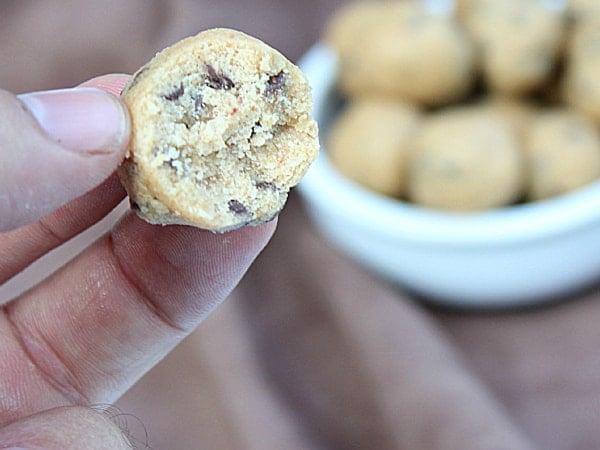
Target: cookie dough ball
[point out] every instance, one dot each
(563, 153)
(368, 143)
(413, 55)
(464, 161)
(519, 41)
(584, 10)
(462, 7)
(352, 22)
(516, 113)
(582, 81)
(221, 130)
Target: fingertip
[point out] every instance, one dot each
(258, 235)
(64, 427)
(187, 270)
(84, 120)
(113, 83)
(182, 245)
(56, 146)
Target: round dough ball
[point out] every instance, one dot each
(462, 160)
(368, 143)
(519, 41)
(516, 113)
(221, 131)
(584, 10)
(353, 21)
(563, 153)
(462, 7)
(581, 87)
(413, 55)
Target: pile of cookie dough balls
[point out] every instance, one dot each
(467, 105)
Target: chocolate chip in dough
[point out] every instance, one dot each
(137, 77)
(237, 207)
(275, 83)
(134, 205)
(217, 80)
(175, 94)
(264, 185)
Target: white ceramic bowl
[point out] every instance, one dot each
(514, 256)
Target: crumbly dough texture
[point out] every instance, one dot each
(221, 130)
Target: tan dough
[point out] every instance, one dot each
(519, 41)
(353, 21)
(221, 130)
(411, 55)
(563, 154)
(462, 160)
(514, 112)
(582, 78)
(368, 143)
(584, 10)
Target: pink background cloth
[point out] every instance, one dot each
(311, 351)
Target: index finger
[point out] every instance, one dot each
(94, 328)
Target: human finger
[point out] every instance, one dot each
(21, 247)
(87, 333)
(64, 428)
(54, 147)
(112, 82)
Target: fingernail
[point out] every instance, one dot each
(86, 120)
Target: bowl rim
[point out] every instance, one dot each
(325, 187)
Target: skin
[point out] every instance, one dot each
(86, 334)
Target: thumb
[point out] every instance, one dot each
(55, 146)
(63, 428)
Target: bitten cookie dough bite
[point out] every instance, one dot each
(221, 130)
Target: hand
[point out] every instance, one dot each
(91, 330)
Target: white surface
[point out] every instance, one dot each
(508, 257)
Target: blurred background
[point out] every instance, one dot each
(61, 43)
(312, 351)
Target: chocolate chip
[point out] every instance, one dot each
(168, 164)
(253, 130)
(275, 83)
(217, 80)
(237, 207)
(174, 95)
(264, 185)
